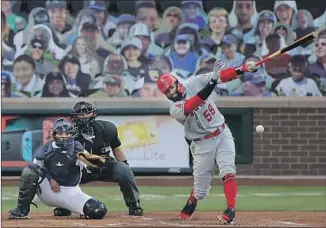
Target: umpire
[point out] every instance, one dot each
(100, 137)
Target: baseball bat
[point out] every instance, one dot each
(297, 43)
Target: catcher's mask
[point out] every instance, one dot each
(171, 87)
(63, 133)
(83, 116)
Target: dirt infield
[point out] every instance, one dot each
(170, 219)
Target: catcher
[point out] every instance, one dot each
(100, 138)
(55, 174)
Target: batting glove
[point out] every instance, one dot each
(218, 66)
(250, 67)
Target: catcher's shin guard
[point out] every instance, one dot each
(27, 190)
(189, 208)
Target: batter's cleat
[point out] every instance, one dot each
(135, 209)
(17, 214)
(189, 208)
(228, 216)
(61, 212)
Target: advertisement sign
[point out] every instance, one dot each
(149, 142)
(152, 141)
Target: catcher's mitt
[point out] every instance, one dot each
(91, 160)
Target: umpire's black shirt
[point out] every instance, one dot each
(106, 136)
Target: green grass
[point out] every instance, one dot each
(289, 198)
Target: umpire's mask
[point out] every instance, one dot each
(83, 116)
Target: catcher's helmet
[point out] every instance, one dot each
(61, 126)
(165, 81)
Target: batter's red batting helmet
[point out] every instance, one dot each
(166, 80)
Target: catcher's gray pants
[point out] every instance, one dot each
(118, 172)
(70, 198)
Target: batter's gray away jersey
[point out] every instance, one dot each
(203, 120)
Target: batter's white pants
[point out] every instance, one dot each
(70, 198)
(206, 153)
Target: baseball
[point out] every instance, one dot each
(260, 128)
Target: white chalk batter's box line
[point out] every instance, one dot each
(12, 196)
(277, 224)
(286, 223)
(174, 224)
(148, 222)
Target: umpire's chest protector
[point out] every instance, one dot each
(59, 162)
(101, 143)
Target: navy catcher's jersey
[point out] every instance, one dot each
(62, 166)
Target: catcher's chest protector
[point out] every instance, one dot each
(59, 162)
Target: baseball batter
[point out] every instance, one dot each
(55, 175)
(211, 140)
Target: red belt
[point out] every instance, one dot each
(213, 134)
